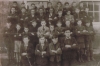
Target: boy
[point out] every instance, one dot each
(87, 15)
(73, 7)
(32, 15)
(70, 27)
(43, 30)
(69, 48)
(51, 32)
(50, 16)
(59, 30)
(49, 5)
(55, 51)
(8, 39)
(27, 52)
(23, 17)
(69, 17)
(77, 16)
(40, 16)
(26, 32)
(42, 52)
(33, 30)
(80, 32)
(58, 7)
(66, 8)
(13, 17)
(17, 42)
(59, 17)
(89, 39)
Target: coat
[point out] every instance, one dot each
(41, 59)
(69, 52)
(55, 57)
(79, 36)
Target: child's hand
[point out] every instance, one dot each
(38, 51)
(68, 46)
(55, 18)
(14, 35)
(32, 33)
(19, 34)
(26, 18)
(24, 54)
(78, 31)
(84, 30)
(74, 44)
(21, 19)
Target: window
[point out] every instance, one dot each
(94, 9)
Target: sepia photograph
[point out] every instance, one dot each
(49, 32)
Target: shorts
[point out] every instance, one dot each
(17, 46)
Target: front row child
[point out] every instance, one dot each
(55, 52)
(69, 49)
(42, 52)
(27, 50)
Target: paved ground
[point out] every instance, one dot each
(4, 60)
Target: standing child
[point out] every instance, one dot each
(55, 51)
(80, 32)
(42, 52)
(69, 49)
(8, 39)
(17, 42)
(27, 51)
(60, 30)
(89, 39)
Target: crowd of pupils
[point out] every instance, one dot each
(49, 36)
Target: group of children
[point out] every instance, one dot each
(49, 36)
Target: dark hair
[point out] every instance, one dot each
(32, 4)
(66, 3)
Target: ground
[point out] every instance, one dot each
(4, 60)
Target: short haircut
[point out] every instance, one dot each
(66, 3)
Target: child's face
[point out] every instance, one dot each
(51, 10)
(32, 11)
(25, 40)
(59, 24)
(68, 13)
(67, 33)
(13, 10)
(18, 26)
(43, 23)
(22, 5)
(59, 4)
(77, 10)
(67, 5)
(67, 22)
(26, 29)
(33, 6)
(60, 13)
(79, 22)
(87, 24)
(8, 24)
(23, 10)
(81, 4)
(41, 10)
(55, 40)
(51, 28)
(49, 5)
(34, 23)
(74, 4)
(42, 40)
